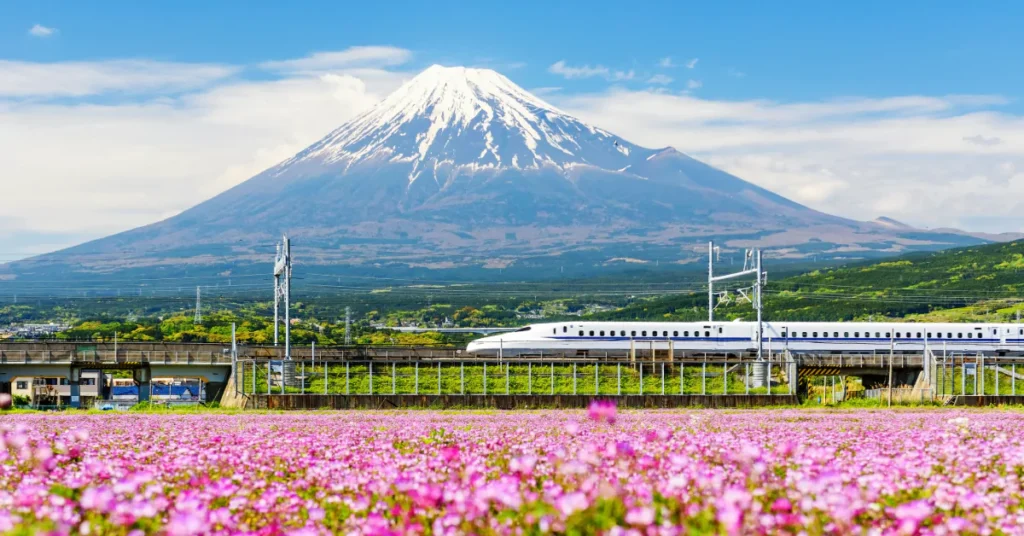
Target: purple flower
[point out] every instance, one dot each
(602, 411)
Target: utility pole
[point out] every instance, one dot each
(283, 292)
(751, 266)
(198, 318)
(348, 325)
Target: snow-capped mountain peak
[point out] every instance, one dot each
(467, 118)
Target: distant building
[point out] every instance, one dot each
(56, 390)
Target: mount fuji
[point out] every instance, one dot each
(462, 169)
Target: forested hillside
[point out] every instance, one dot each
(982, 282)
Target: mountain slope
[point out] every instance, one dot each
(461, 168)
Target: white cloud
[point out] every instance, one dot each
(914, 158)
(586, 71)
(365, 56)
(80, 78)
(694, 84)
(660, 79)
(110, 166)
(39, 30)
(732, 71)
(666, 62)
(692, 63)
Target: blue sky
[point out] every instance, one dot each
(124, 113)
(789, 51)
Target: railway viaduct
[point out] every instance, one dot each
(213, 362)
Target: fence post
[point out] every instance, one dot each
(416, 371)
(552, 377)
(618, 367)
(641, 377)
(485, 378)
(1013, 379)
(346, 379)
(746, 378)
(662, 378)
(254, 376)
(682, 378)
(963, 375)
(574, 377)
(704, 377)
(462, 377)
(597, 380)
(325, 376)
(529, 382)
(303, 381)
(770, 377)
(508, 372)
(439, 378)
(371, 377)
(725, 378)
(393, 371)
(268, 377)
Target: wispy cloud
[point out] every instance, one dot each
(983, 141)
(660, 79)
(364, 56)
(694, 84)
(547, 90)
(732, 71)
(39, 30)
(79, 79)
(586, 71)
(666, 62)
(692, 63)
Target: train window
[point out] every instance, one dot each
(707, 333)
(949, 335)
(1022, 332)
(554, 331)
(959, 335)
(622, 333)
(632, 333)
(856, 334)
(836, 334)
(805, 335)
(602, 333)
(591, 333)
(898, 335)
(643, 333)
(970, 335)
(581, 333)
(564, 329)
(664, 334)
(686, 334)
(877, 335)
(675, 333)
(918, 334)
(815, 334)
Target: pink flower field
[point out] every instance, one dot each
(602, 471)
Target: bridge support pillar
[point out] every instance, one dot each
(143, 378)
(75, 387)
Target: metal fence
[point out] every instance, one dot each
(514, 377)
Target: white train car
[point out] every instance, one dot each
(581, 338)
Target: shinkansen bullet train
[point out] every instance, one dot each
(740, 338)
